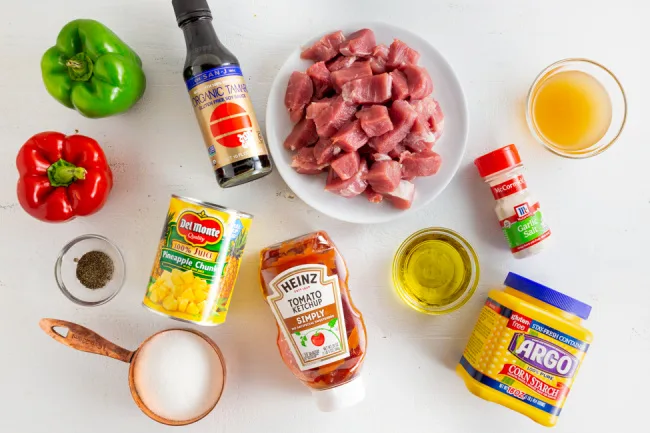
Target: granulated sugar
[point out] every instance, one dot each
(178, 375)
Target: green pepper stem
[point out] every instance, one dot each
(80, 67)
(63, 173)
(74, 64)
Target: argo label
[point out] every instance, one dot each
(306, 303)
(197, 261)
(225, 114)
(522, 358)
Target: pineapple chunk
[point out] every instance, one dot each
(188, 277)
(188, 294)
(200, 295)
(178, 290)
(201, 306)
(192, 309)
(170, 303)
(166, 277)
(177, 278)
(153, 296)
(201, 284)
(182, 304)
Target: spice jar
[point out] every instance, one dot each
(518, 211)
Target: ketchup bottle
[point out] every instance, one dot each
(321, 334)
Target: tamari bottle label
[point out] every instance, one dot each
(306, 302)
(226, 116)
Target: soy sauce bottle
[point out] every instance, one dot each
(220, 99)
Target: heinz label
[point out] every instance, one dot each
(523, 358)
(306, 303)
(225, 114)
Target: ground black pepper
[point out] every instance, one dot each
(94, 269)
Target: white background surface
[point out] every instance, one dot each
(598, 209)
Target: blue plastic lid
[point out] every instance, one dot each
(548, 295)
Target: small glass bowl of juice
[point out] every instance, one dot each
(435, 271)
(576, 108)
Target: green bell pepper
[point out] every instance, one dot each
(92, 70)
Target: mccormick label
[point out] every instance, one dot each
(523, 358)
(197, 262)
(509, 187)
(225, 114)
(306, 303)
(525, 228)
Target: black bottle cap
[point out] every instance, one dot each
(188, 9)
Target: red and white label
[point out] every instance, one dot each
(531, 381)
(519, 322)
(509, 187)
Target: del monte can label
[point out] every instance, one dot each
(197, 262)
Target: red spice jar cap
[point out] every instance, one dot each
(498, 160)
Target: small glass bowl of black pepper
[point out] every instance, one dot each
(90, 270)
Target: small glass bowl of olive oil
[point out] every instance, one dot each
(576, 108)
(435, 271)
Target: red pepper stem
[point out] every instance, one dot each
(63, 173)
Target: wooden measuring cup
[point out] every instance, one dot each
(85, 340)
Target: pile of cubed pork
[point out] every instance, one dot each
(364, 113)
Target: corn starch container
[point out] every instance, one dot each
(197, 262)
(526, 349)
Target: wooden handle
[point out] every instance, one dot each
(80, 338)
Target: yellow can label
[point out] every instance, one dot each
(523, 358)
(197, 262)
(225, 114)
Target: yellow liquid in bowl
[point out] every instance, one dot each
(434, 273)
(571, 110)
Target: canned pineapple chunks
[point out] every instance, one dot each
(197, 261)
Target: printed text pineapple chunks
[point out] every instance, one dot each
(180, 291)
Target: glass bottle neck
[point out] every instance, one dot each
(199, 32)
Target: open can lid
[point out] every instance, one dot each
(548, 295)
(341, 396)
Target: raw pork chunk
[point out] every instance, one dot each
(429, 111)
(325, 49)
(373, 196)
(350, 137)
(384, 176)
(402, 196)
(333, 117)
(371, 90)
(358, 70)
(299, 93)
(317, 107)
(346, 165)
(421, 138)
(375, 120)
(420, 84)
(378, 59)
(401, 54)
(360, 43)
(403, 117)
(320, 76)
(400, 85)
(420, 164)
(304, 162)
(303, 134)
(351, 187)
(325, 151)
(340, 62)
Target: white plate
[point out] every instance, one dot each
(451, 146)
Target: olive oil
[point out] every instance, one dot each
(435, 271)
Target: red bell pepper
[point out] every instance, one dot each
(62, 177)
